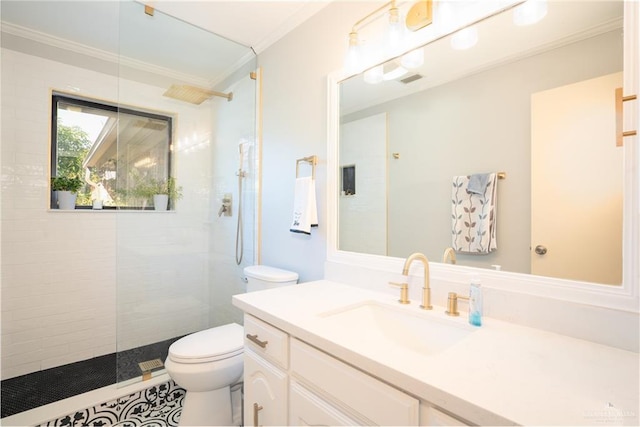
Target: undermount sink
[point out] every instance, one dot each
(371, 323)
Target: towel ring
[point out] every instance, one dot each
(312, 160)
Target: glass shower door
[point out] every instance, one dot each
(175, 269)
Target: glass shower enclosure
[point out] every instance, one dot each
(134, 103)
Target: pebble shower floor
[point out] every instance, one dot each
(160, 405)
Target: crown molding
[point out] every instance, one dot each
(306, 11)
(79, 48)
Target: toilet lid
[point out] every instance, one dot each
(270, 274)
(209, 345)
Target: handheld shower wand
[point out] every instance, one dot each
(239, 231)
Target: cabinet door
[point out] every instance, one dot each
(430, 416)
(265, 392)
(361, 393)
(308, 409)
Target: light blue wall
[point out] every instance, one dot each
(295, 73)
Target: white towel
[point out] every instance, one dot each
(305, 213)
(473, 217)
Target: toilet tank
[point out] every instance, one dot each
(261, 277)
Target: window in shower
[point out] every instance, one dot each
(119, 156)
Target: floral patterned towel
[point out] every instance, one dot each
(473, 217)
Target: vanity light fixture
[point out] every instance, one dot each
(385, 72)
(413, 59)
(530, 12)
(392, 70)
(374, 75)
(465, 38)
(395, 37)
(396, 73)
(395, 32)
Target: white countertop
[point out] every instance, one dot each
(500, 373)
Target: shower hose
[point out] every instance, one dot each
(239, 239)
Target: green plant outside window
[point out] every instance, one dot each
(109, 153)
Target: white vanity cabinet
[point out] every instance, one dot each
(338, 394)
(266, 360)
(306, 408)
(265, 392)
(288, 382)
(430, 416)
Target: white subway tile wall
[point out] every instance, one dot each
(80, 284)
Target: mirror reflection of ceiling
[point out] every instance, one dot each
(565, 22)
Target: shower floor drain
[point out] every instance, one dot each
(150, 365)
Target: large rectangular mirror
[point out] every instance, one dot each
(532, 103)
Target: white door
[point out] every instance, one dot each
(265, 392)
(576, 182)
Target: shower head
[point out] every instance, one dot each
(194, 94)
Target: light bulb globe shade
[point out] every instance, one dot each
(395, 34)
(352, 60)
(413, 59)
(374, 75)
(530, 12)
(396, 73)
(353, 57)
(445, 17)
(465, 38)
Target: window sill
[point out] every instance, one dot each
(127, 211)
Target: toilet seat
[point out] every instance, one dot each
(209, 345)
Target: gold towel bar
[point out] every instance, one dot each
(502, 175)
(312, 160)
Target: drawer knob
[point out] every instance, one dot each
(254, 339)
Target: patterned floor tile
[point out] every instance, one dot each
(159, 405)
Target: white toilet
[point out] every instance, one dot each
(207, 363)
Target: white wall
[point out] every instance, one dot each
(58, 268)
(80, 284)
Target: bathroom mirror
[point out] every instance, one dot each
(535, 102)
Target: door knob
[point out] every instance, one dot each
(541, 250)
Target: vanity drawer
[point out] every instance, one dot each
(266, 340)
(361, 393)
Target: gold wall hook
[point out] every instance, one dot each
(620, 133)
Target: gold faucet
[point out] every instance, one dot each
(449, 254)
(426, 290)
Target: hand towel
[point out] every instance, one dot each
(474, 216)
(478, 183)
(305, 212)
